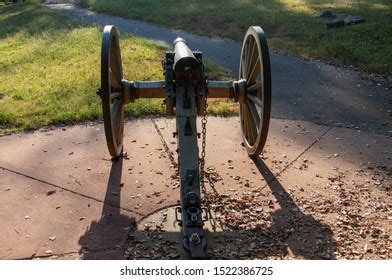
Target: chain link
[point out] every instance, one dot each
(203, 173)
(203, 147)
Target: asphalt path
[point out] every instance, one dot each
(302, 89)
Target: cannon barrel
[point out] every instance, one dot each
(186, 67)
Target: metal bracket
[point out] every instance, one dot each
(169, 82)
(201, 86)
(178, 211)
(193, 213)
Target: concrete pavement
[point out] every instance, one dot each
(62, 197)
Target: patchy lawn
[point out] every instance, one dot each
(50, 69)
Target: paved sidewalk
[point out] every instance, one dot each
(62, 197)
(302, 89)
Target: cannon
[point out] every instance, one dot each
(185, 90)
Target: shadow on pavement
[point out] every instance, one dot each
(306, 236)
(105, 238)
(289, 234)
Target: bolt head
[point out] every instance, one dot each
(195, 238)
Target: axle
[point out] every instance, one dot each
(156, 89)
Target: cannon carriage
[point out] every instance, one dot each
(185, 91)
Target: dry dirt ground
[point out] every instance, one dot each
(317, 192)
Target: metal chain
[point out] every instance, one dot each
(203, 173)
(203, 147)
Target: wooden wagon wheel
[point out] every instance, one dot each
(112, 90)
(255, 109)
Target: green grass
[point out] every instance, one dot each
(291, 25)
(49, 69)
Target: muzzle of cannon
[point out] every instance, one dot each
(185, 89)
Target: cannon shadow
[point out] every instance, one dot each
(104, 238)
(291, 233)
(305, 236)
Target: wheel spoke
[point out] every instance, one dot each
(116, 114)
(255, 86)
(113, 80)
(115, 95)
(254, 114)
(252, 127)
(251, 59)
(248, 136)
(255, 100)
(254, 72)
(121, 129)
(243, 67)
(242, 116)
(245, 122)
(114, 59)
